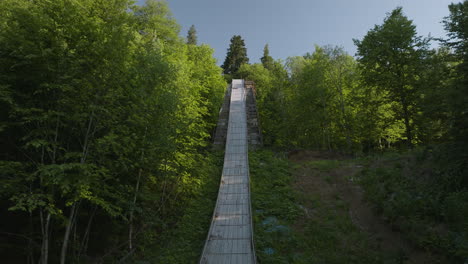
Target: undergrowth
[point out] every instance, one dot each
(424, 194)
(274, 207)
(184, 243)
(283, 233)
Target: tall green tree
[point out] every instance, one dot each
(342, 79)
(434, 120)
(312, 100)
(267, 60)
(105, 115)
(271, 90)
(236, 56)
(391, 56)
(207, 79)
(456, 24)
(192, 36)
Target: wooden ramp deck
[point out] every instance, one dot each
(230, 239)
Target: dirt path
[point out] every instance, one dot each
(330, 178)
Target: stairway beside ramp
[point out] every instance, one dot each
(254, 131)
(220, 134)
(230, 238)
(254, 134)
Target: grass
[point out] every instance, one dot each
(296, 223)
(274, 207)
(289, 230)
(324, 165)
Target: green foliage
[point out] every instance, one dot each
(270, 86)
(192, 36)
(324, 165)
(105, 115)
(274, 207)
(391, 58)
(283, 232)
(396, 91)
(331, 237)
(422, 195)
(323, 86)
(236, 56)
(456, 25)
(183, 242)
(318, 94)
(207, 79)
(267, 60)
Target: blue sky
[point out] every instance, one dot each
(292, 27)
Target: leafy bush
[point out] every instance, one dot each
(422, 192)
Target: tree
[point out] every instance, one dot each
(456, 24)
(206, 77)
(391, 57)
(270, 98)
(433, 121)
(109, 128)
(236, 56)
(267, 60)
(192, 36)
(157, 25)
(311, 101)
(342, 77)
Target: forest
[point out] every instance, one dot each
(396, 97)
(107, 115)
(105, 120)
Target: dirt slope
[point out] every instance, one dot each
(325, 180)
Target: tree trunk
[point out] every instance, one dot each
(130, 228)
(84, 154)
(137, 188)
(406, 117)
(30, 249)
(66, 237)
(45, 223)
(54, 152)
(344, 122)
(84, 242)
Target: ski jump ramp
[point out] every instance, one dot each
(230, 239)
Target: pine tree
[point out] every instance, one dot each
(267, 60)
(236, 56)
(192, 36)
